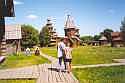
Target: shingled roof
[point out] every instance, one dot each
(69, 22)
(115, 34)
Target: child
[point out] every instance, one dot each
(68, 56)
(27, 51)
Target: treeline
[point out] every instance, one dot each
(31, 36)
(107, 33)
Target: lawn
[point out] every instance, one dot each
(52, 51)
(17, 81)
(14, 61)
(91, 55)
(101, 75)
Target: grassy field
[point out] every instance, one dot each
(52, 51)
(15, 61)
(17, 81)
(101, 75)
(91, 55)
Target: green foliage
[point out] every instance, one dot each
(107, 33)
(86, 38)
(101, 74)
(97, 37)
(30, 36)
(44, 37)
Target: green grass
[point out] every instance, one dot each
(52, 51)
(91, 55)
(97, 55)
(15, 61)
(17, 81)
(101, 75)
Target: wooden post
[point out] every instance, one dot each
(2, 37)
(18, 46)
(6, 10)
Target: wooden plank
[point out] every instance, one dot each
(74, 78)
(62, 77)
(65, 78)
(70, 78)
(54, 73)
(50, 74)
(43, 77)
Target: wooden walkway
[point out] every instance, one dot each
(43, 73)
(48, 74)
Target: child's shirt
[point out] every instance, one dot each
(68, 52)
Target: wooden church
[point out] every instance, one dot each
(52, 33)
(72, 31)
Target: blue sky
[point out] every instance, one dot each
(92, 16)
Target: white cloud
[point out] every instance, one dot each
(31, 16)
(18, 2)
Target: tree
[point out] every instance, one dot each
(30, 36)
(44, 37)
(86, 38)
(107, 33)
(123, 30)
(96, 37)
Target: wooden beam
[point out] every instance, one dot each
(2, 37)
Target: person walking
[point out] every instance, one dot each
(60, 50)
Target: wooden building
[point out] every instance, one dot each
(13, 36)
(117, 39)
(71, 31)
(103, 40)
(52, 33)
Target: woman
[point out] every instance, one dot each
(68, 56)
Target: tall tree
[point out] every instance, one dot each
(30, 36)
(123, 30)
(44, 37)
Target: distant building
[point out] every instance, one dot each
(52, 33)
(94, 43)
(103, 40)
(71, 31)
(117, 39)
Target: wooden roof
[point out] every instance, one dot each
(69, 22)
(117, 39)
(115, 34)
